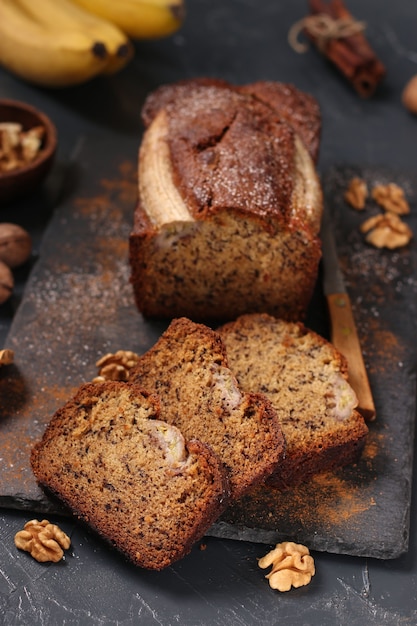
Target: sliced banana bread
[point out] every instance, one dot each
(305, 378)
(129, 475)
(187, 368)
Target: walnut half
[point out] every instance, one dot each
(43, 540)
(391, 197)
(356, 193)
(386, 231)
(115, 366)
(292, 566)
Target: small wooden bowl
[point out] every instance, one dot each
(23, 180)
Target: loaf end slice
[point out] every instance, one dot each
(305, 378)
(130, 475)
(187, 368)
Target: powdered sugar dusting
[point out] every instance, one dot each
(231, 150)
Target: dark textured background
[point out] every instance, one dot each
(99, 132)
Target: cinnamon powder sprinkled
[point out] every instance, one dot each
(344, 502)
(327, 502)
(86, 296)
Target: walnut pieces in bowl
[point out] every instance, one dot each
(28, 142)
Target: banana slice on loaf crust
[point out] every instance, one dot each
(131, 476)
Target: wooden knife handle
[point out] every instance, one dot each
(345, 338)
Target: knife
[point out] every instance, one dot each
(343, 333)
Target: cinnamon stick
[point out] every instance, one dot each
(345, 45)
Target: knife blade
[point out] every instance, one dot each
(343, 333)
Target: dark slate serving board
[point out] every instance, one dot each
(78, 305)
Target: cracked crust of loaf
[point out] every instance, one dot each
(132, 477)
(240, 203)
(299, 109)
(187, 368)
(305, 378)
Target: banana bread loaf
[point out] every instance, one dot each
(229, 202)
(305, 378)
(187, 368)
(129, 475)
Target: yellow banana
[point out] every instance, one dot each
(140, 19)
(46, 57)
(64, 15)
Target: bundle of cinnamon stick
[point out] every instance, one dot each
(341, 39)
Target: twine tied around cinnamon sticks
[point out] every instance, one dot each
(322, 28)
(340, 38)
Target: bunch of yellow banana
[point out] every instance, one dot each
(140, 19)
(58, 43)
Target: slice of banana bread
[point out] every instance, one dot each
(187, 368)
(305, 378)
(130, 475)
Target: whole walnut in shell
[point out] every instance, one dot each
(409, 95)
(15, 244)
(6, 282)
